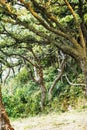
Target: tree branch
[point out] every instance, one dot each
(58, 32)
(43, 10)
(58, 77)
(73, 84)
(77, 24)
(70, 50)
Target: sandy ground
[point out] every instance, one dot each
(73, 120)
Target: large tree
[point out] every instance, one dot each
(71, 38)
(58, 23)
(61, 24)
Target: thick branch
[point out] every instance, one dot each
(43, 10)
(77, 24)
(58, 77)
(58, 32)
(68, 50)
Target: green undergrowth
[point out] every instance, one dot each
(22, 97)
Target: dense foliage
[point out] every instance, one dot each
(37, 40)
(21, 96)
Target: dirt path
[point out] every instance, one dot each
(66, 121)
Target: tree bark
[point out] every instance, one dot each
(57, 78)
(38, 71)
(84, 70)
(43, 95)
(42, 86)
(4, 120)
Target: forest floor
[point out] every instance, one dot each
(72, 120)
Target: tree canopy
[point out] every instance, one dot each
(61, 24)
(30, 29)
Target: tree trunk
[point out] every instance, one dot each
(84, 70)
(42, 86)
(38, 71)
(61, 68)
(4, 120)
(43, 95)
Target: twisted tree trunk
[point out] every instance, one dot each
(38, 71)
(4, 120)
(57, 78)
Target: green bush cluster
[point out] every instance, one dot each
(24, 100)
